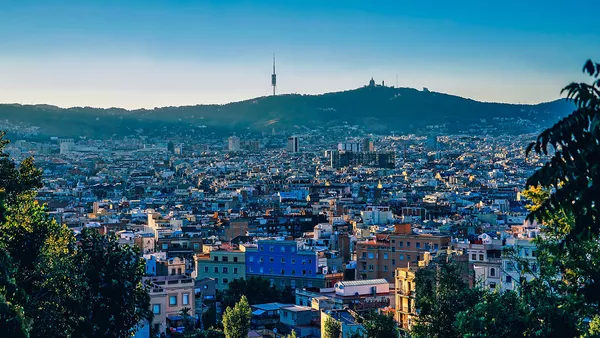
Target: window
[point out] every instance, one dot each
(251, 259)
(393, 261)
(385, 255)
(393, 241)
(310, 261)
(225, 280)
(401, 257)
(196, 245)
(480, 257)
(186, 299)
(216, 281)
(371, 255)
(179, 271)
(364, 255)
(473, 257)
(370, 267)
(271, 260)
(216, 258)
(393, 249)
(261, 270)
(216, 270)
(250, 269)
(534, 267)
(172, 271)
(310, 272)
(492, 285)
(235, 259)
(508, 279)
(435, 247)
(235, 270)
(262, 248)
(400, 244)
(293, 272)
(385, 268)
(156, 309)
(262, 260)
(271, 248)
(165, 246)
(283, 249)
(225, 259)
(172, 300)
(408, 244)
(282, 272)
(293, 261)
(408, 257)
(492, 272)
(303, 272)
(225, 269)
(418, 245)
(271, 271)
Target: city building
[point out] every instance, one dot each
(221, 265)
(168, 296)
(234, 144)
(293, 145)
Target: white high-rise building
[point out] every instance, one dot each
(66, 145)
(234, 143)
(293, 144)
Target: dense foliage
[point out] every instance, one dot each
(380, 325)
(236, 320)
(332, 329)
(562, 297)
(52, 287)
(257, 290)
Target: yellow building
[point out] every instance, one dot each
(405, 297)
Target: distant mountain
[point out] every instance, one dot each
(377, 109)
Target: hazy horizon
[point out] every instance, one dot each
(145, 54)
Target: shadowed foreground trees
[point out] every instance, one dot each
(563, 297)
(52, 286)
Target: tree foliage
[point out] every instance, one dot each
(332, 328)
(51, 287)
(236, 320)
(442, 291)
(572, 175)
(257, 290)
(380, 325)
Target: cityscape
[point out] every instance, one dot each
(380, 211)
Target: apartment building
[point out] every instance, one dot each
(168, 296)
(405, 311)
(381, 256)
(222, 265)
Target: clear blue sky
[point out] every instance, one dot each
(156, 53)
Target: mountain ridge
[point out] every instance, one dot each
(377, 109)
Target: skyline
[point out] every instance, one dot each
(157, 53)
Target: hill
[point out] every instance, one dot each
(377, 109)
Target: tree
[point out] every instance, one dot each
(442, 291)
(332, 328)
(292, 335)
(236, 320)
(380, 325)
(49, 286)
(572, 177)
(257, 290)
(114, 300)
(498, 314)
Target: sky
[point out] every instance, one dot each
(145, 54)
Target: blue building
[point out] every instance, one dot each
(282, 263)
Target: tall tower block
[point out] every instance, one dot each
(274, 77)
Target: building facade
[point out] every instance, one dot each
(221, 265)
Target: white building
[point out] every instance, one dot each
(234, 143)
